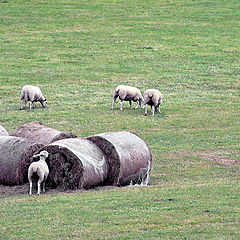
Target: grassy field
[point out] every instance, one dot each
(77, 52)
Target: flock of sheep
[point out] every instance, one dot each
(151, 97)
(33, 94)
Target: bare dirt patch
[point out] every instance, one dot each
(24, 189)
(18, 189)
(219, 158)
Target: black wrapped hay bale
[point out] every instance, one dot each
(3, 131)
(75, 163)
(37, 132)
(128, 156)
(15, 157)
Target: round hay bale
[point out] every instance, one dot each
(128, 156)
(75, 163)
(3, 131)
(15, 157)
(37, 132)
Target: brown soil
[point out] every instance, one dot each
(24, 189)
(219, 158)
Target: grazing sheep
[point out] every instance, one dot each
(32, 94)
(127, 93)
(39, 169)
(153, 98)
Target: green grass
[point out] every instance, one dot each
(77, 52)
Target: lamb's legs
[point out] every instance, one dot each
(43, 186)
(30, 190)
(39, 187)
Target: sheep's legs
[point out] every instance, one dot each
(137, 105)
(30, 190)
(30, 105)
(152, 109)
(145, 109)
(130, 104)
(21, 106)
(158, 109)
(121, 103)
(114, 100)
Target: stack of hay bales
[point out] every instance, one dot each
(17, 150)
(113, 158)
(3, 131)
(37, 132)
(15, 157)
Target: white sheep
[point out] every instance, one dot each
(40, 170)
(153, 98)
(127, 93)
(32, 94)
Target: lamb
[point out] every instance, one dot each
(32, 94)
(39, 169)
(153, 98)
(127, 93)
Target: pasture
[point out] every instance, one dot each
(77, 52)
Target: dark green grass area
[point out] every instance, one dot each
(77, 52)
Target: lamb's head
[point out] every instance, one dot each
(44, 154)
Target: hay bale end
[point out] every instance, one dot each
(15, 157)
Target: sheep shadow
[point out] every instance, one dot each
(137, 112)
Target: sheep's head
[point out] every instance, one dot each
(44, 103)
(141, 100)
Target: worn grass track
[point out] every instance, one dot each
(77, 52)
